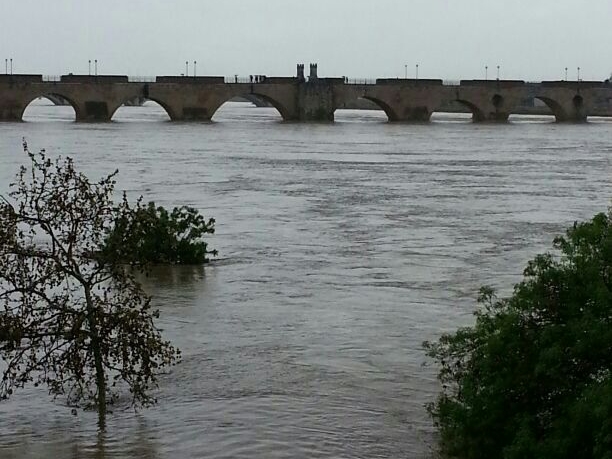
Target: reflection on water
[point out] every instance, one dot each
(342, 247)
(57, 442)
(171, 277)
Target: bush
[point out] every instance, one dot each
(532, 378)
(152, 235)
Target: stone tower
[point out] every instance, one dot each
(313, 73)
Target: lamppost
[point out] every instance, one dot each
(565, 73)
(11, 65)
(96, 66)
(406, 71)
(417, 72)
(186, 68)
(486, 73)
(194, 68)
(5, 66)
(577, 74)
(89, 66)
(498, 72)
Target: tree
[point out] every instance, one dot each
(152, 235)
(533, 377)
(70, 319)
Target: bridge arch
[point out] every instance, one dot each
(282, 110)
(51, 96)
(257, 101)
(166, 107)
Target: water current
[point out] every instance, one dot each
(342, 248)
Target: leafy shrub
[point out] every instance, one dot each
(152, 235)
(532, 378)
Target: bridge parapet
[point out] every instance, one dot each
(190, 79)
(280, 80)
(21, 78)
(93, 79)
(409, 81)
(492, 83)
(575, 84)
(329, 80)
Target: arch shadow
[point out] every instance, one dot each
(477, 113)
(365, 102)
(391, 115)
(555, 107)
(255, 100)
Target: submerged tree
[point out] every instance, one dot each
(152, 235)
(69, 318)
(533, 377)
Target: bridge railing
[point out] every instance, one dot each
(141, 79)
(239, 79)
(51, 78)
(451, 82)
(359, 81)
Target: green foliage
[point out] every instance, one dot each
(152, 235)
(532, 378)
(70, 319)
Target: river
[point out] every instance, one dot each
(342, 248)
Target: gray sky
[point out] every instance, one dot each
(451, 39)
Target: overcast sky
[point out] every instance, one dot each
(451, 39)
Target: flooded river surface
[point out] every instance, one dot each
(342, 248)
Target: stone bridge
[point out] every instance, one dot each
(96, 98)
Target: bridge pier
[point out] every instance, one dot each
(568, 105)
(414, 114)
(491, 101)
(492, 116)
(408, 101)
(316, 100)
(15, 95)
(570, 116)
(10, 111)
(575, 119)
(92, 111)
